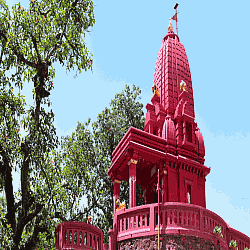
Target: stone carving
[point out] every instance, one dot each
(155, 90)
(120, 205)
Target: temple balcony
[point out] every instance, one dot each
(175, 218)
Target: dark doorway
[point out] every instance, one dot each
(156, 197)
(189, 131)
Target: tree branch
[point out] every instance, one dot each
(35, 45)
(3, 35)
(34, 239)
(8, 189)
(5, 38)
(21, 58)
(73, 47)
(18, 204)
(32, 215)
(65, 25)
(24, 178)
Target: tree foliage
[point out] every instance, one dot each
(31, 41)
(93, 150)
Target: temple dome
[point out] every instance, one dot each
(168, 131)
(201, 146)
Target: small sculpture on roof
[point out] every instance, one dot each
(183, 86)
(155, 90)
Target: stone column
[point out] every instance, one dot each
(150, 128)
(132, 158)
(116, 194)
(162, 190)
(179, 132)
(112, 238)
(165, 180)
(165, 185)
(184, 131)
(132, 182)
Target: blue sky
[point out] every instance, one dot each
(125, 42)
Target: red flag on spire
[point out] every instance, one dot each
(174, 17)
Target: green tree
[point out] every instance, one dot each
(31, 41)
(93, 150)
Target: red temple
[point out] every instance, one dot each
(173, 146)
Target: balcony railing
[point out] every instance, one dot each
(175, 217)
(78, 235)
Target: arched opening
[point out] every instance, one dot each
(70, 237)
(75, 238)
(80, 238)
(85, 239)
(154, 131)
(65, 237)
(94, 242)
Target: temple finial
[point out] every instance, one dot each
(170, 27)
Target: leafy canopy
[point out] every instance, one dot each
(31, 41)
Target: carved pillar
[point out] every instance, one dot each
(145, 195)
(133, 158)
(166, 183)
(162, 190)
(112, 238)
(116, 195)
(150, 128)
(193, 133)
(184, 131)
(132, 182)
(159, 130)
(179, 132)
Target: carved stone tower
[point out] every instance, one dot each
(171, 117)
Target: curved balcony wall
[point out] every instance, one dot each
(78, 235)
(175, 218)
